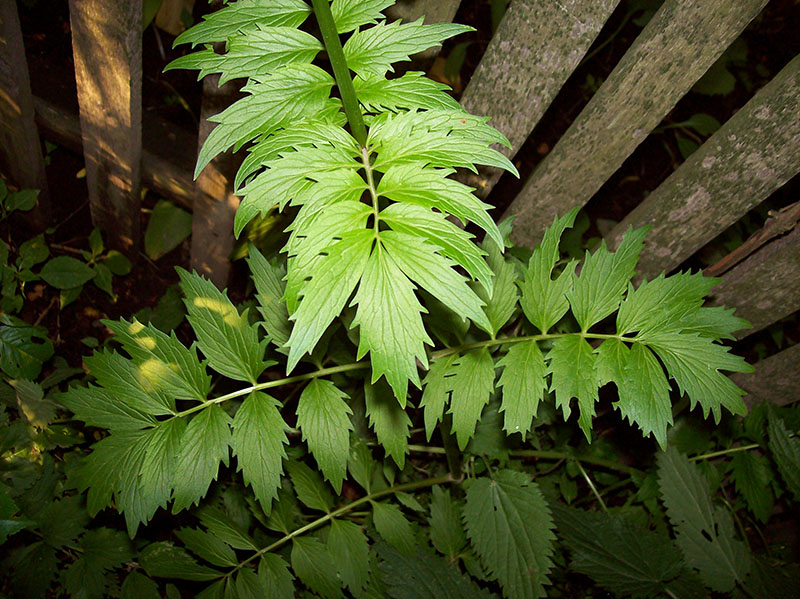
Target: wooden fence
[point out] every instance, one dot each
(537, 46)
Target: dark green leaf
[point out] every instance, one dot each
(167, 228)
(164, 560)
(65, 272)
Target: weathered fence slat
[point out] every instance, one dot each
(752, 155)
(214, 202)
(533, 52)
(766, 286)
(20, 148)
(107, 49)
(682, 40)
(776, 379)
(170, 15)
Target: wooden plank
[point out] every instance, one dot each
(170, 15)
(752, 155)
(678, 45)
(776, 379)
(166, 165)
(214, 202)
(107, 50)
(766, 286)
(535, 49)
(20, 149)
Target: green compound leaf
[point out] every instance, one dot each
(323, 418)
(598, 291)
(203, 446)
(326, 293)
(372, 51)
(351, 15)
(695, 363)
(347, 545)
(523, 383)
(572, 364)
(258, 439)
(446, 530)
(275, 577)
(472, 384)
(544, 300)
(393, 527)
(224, 336)
(411, 91)
(786, 453)
(509, 524)
(244, 16)
(390, 323)
(315, 567)
(436, 393)
(269, 291)
(390, 422)
(425, 576)
(208, 547)
(165, 560)
(166, 364)
(704, 533)
(624, 559)
(310, 488)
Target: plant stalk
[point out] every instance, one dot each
(333, 45)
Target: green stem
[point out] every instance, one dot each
(590, 482)
(276, 383)
(419, 484)
(716, 454)
(330, 37)
(544, 455)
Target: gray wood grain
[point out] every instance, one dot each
(776, 379)
(765, 287)
(756, 152)
(678, 45)
(535, 49)
(107, 50)
(20, 149)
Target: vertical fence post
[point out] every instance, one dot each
(20, 148)
(214, 205)
(107, 49)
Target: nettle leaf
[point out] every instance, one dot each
(446, 530)
(258, 439)
(523, 383)
(604, 277)
(425, 576)
(243, 16)
(203, 446)
(786, 453)
(544, 300)
(572, 364)
(472, 384)
(621, 557)
(705, 534)
(224, 336)
(751, 475)
(164, 361)
(373, 50)
(322, 417)
(269, 291)
(509, 525)
(350, 15)
(388, 419)
(347, 545)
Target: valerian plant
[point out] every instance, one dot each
(376, 266)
